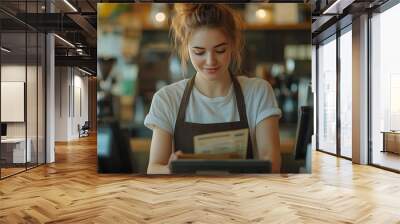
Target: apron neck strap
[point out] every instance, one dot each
(187, 92)
(184, 102)
(239, 100)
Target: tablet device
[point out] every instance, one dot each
(200, 166)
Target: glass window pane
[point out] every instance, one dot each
(385, 85)
(41, 99)
(346, 94)
(22, 76)
(31, 97)
(14, 153)
(327, 97)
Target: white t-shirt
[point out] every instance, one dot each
(258, 95)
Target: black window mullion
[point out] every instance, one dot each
(369, 78)
(0, 92)
(338, 117)
(73, 92)
(37, 90)
(26, 86)
(317, 97)
(45, 86)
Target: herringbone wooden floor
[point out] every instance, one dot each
(71, 191)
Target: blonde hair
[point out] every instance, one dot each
(189, 17)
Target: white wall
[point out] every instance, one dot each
(12, 73)
(61, 103)
(71, 87)
(12, 101)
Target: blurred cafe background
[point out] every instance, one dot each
(136, 58)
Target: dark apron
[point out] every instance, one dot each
(185, 131)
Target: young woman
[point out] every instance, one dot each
(215, 98)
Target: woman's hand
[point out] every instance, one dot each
(177, 155)
(155, 168)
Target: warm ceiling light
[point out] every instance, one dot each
(64, 40)
(261, 13)
(5, 49)
(160, 17)
(70, 5)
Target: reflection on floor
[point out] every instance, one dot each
(10, 169)
(387, 159)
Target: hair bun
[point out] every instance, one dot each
(185, 7)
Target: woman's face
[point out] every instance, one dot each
(210, 53)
